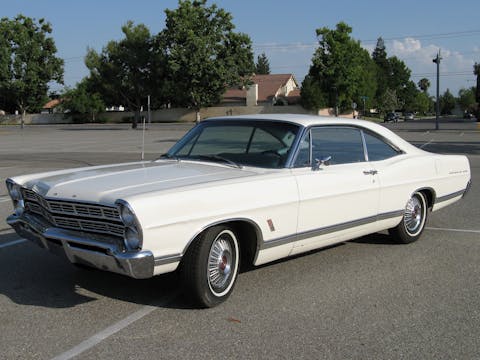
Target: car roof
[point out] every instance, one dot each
(300, 119)
(312, 120)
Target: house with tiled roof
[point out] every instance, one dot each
(271, 89)
(49, 107)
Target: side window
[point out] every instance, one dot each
(378, 149)
(303, 156)
(343, 144)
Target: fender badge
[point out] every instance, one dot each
(270, 225)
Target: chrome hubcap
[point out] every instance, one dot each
(220, 263)
(413, 214)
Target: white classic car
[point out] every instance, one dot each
(248, 189)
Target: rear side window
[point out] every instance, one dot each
(342, 145)
(378, 149)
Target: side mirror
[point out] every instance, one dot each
(322, 162)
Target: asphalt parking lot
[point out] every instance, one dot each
(363, 299)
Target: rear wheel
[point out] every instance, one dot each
(210, 266)
(414, 219)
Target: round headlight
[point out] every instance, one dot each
(132, 239)
(15, 192)
(127, 216)
(19, 207)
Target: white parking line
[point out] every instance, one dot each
(427, 143)
(11, 243)
(109, 331)
(2, 199)
(454, 230)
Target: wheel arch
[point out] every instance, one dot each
(249, 236)
(429, 194)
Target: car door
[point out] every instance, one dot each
(340, 194)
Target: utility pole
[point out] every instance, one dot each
(364, 98)
(148, 108)
(437, 105)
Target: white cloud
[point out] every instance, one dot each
(456, 69)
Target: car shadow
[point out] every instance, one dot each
(37, 278)
(34, 277)
(376, 239)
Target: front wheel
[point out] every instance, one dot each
(413, 221)
(210, 266)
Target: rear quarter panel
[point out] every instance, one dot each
(401, 176)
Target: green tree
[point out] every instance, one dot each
(393, 74)
(205, 54)
(476, 72)
(82, 100)
(341, 68)
(424, 84)
(126, 71)
(379, 56)
(408, 96)
(466, 99)
(312, 98)
(423, 103)
(27, 63)
(262, 66)
(447, 103)
(389, 101)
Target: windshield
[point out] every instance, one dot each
(253, 143)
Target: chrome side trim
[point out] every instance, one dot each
(467, 189)
(450, 196)
(168, 259)
(329, 229)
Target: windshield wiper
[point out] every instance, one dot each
(217, 158)
(169, 156)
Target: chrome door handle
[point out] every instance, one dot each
(370, 172)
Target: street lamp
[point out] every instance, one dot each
(364, 98)
(437, 105)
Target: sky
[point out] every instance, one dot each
(413, 30)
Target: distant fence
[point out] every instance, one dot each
(165, 115)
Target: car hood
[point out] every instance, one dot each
(105, 184)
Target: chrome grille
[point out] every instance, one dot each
(75, 216)
(70, 208)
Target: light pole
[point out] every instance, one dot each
(437, 105)
(364, 98)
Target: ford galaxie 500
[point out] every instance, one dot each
(247, 189)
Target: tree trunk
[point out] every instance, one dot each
(22, 121)
(136, 118)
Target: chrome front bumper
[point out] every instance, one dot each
(98, 251)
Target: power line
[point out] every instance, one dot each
(300, 45)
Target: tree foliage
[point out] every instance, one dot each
(27, 63)
(476, 72)
(341, 69)
(312, 98)
(447, 103)
(379, 56)
(205, 54)
(389, 101)
(123, 73)
(466, 99)
(424, 84)
(423, 103)
(82, 100)
(262, 66)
